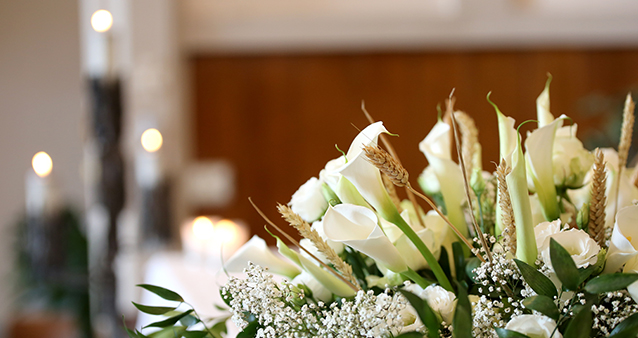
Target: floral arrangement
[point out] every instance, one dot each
(544, 246)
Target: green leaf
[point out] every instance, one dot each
(140, 335)
(470, 265)
(131, 333)
(536, 280)
(412, 334)
(628, 328)
(459, 261)
(580, 325)
(505, 333)
(563, 265)
(425, 313)
(153, 310)
(189, 320)
(249, 331)
(194, 334)
(542, 304)
(170, 321)
(444, 262)
(610, 282)
(462, 322)
(164, 293)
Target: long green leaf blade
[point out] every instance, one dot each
(536, 280)
(610, 282)
(153, 310)
(505, 333)
(170, 321)
(425, 313)
(162, 292)
(563, 265)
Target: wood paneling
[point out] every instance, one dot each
(278, 117)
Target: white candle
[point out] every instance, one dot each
(148, 168)
(42, 198)
(206, 239)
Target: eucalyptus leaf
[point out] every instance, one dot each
(162, 292)
(425, 313)
(505, 333)
(153, 310)
(536, 280)
(170, 321)
(563, 265)
(194, 334)
(249, 331)
(580, 324)
(610, 282)
(627, 328)
(542, 304)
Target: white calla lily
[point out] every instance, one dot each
(512, 153)
(437, 148)
(363, 175)
(325, 278)
(508, 137)
(543, 114)
(357, 227)
(257, 251)
(624, 239)
(538, 146)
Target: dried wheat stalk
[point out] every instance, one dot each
(469, 140)
(392, 191)
(507, 214)
(307, 232)
(597, 204)
(399, 176)
(625, 142)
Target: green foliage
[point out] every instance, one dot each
(542, 304)
(536, 280)
(628, 328)
(462, 321)
(162, 292)
(580, 324)
(564, 265)
(610, 282)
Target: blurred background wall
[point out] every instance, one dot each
(252, 96)
(41, 97)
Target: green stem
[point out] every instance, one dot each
(415, 277)
(394, 217)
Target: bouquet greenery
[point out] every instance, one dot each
(545, 246)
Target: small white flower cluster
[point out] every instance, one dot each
(496, 282)
(613, 308)
(283, 310)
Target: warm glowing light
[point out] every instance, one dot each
(203, 228)
(152, 140)
(101, 20)
(225, 231)
(42, 164)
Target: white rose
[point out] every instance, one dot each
(582, 248)
(440, 300)
(429, 182)
(534, 326)
(544, 231)
(308, 201)
(329, 174)
(570, 159)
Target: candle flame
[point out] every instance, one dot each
(42, 164)
(226, 231)
(101, 20)
(152, 140)
(203, 228)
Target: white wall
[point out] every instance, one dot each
(40, 108)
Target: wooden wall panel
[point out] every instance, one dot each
(278, 117)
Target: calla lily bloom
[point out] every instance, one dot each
(327, 279)
(357, 227)
(257, 251)
(543, 114)
(539, 146)
(624, 239)
(437, 148)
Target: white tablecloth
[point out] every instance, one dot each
(196, 282)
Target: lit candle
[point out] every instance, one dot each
(148, 167)
(209, 239)
(41, 194)
(101, 46)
